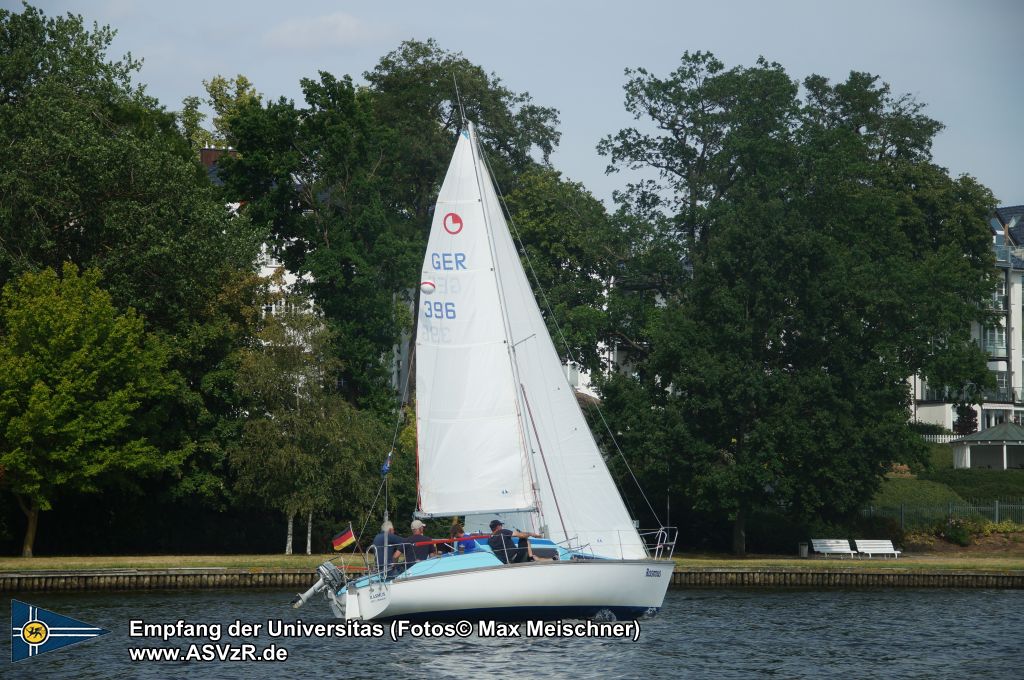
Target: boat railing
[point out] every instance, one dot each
(372, 570)
(660, 543)
(370, 560)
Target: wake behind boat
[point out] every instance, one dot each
(501, 435)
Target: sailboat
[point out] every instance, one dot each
(500, 435)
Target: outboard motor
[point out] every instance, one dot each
(331, 580)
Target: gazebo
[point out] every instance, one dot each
(996, 448)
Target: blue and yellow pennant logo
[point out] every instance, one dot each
(35, 631)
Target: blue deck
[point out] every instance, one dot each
(481, 557)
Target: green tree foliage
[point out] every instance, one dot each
(966, 420)
(226, 96)
(74, 373)
(346, 185)
(820, 260)
(418, 90)
(573, 250)
(301, 444)
(317, 177)
(96, 172)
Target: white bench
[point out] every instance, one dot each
(832, 546)
(871, 548)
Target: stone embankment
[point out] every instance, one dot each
(300, 579)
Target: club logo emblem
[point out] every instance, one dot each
(35, 631)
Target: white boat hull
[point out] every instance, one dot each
(532, 591)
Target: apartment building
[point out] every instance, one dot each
(1002, 341)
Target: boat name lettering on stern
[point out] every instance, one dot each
(654, 573)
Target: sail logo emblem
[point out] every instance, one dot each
(35, 631)
(452, 223)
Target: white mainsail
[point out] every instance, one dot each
(500, 432)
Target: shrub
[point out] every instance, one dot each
(1004, 527)
(940, 457)
(956, 531)
(895, 492)
(980, 483)
(927, 428)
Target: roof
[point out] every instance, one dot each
(1003, 432)
(1006, 214)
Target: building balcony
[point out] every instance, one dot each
(998, 395)
(998, 303)
(994, 349)
(1003, 395)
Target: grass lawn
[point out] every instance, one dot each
(995, 562)
(254, 562)
(966, 561)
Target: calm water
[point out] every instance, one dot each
(700, 634)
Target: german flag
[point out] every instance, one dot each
(345, 538)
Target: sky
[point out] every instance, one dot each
(963, 59)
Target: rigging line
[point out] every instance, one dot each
(540, 447)
(405, 392)
(366, 517)
(458, 100)
(398, 428)
(558, 328)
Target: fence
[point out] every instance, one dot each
(940, 438)
(913, 516)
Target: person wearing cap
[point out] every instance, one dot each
(501, 543)
(414, 553)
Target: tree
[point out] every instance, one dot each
(74, 372)
(300, 443)
(347, 182)
(966, 420)
(421, 92)
(825, 260)
(572, 252)
(96, 172)
(225, 96)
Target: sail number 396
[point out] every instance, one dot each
(439, 310)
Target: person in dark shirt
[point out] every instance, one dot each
(506, 551)
(388, 547)
(415, 553)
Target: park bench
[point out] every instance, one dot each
(870, 548)
(832, 546)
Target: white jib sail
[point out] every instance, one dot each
(471, 455)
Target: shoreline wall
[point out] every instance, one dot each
(300, 579)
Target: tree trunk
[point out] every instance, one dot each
(309, 533)
(291, 528)
(31, 510)
(739, 533)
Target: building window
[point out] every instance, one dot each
(993, 340)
